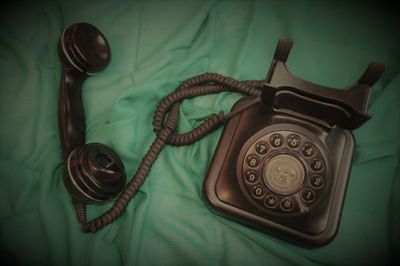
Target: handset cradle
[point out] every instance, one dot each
(344, 107)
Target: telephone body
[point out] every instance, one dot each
(282, 165)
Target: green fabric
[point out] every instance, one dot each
(156, 45)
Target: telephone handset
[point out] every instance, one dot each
(282, 165)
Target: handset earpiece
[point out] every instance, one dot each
(94, 173)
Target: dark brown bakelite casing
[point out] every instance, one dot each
(83, 51)
(290, 104)
(93, 173)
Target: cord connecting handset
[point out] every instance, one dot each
(282, 162)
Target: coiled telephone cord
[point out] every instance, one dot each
(165, 121)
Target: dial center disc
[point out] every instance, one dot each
(283, 174)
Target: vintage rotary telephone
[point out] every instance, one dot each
(282, 162)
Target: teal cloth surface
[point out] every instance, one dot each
(156, 45)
